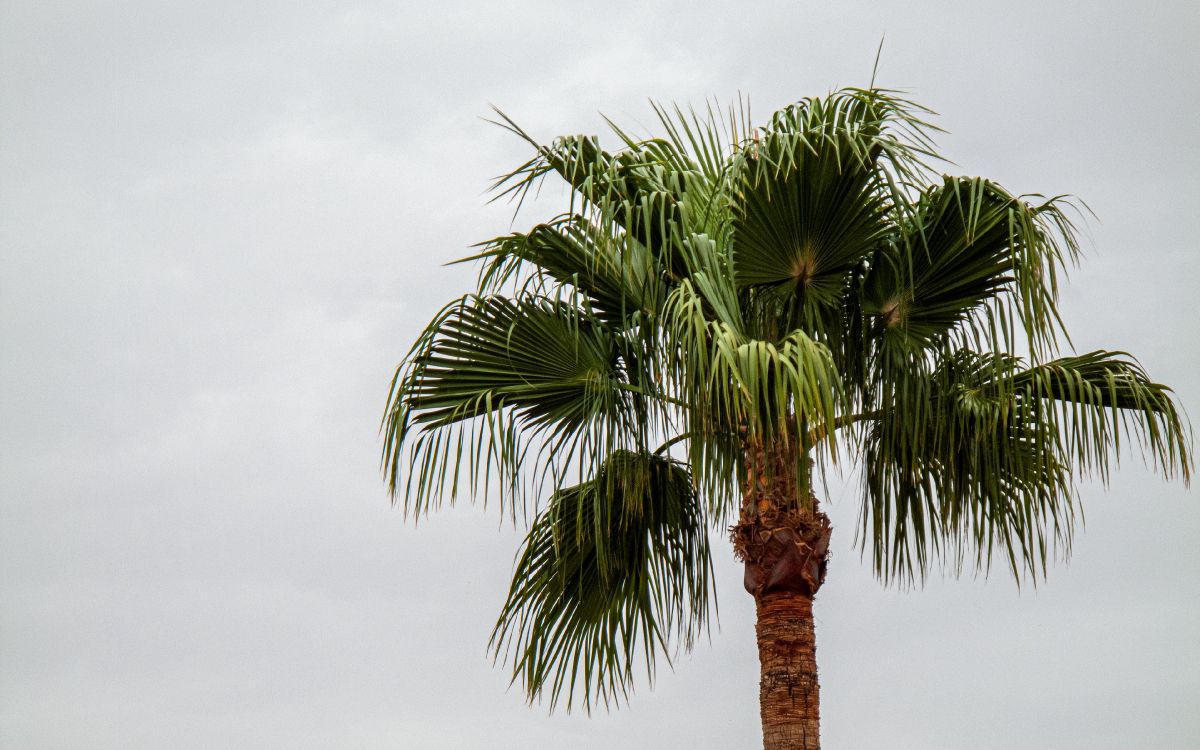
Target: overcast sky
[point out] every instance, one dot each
(222, 224)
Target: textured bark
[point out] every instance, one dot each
(783, 538)
(788, 693)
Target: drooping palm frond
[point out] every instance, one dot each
(737, 387)
(961, 460)
(1097, 398)
(950, 468)
(615, 572)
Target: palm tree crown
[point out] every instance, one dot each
(726, 305)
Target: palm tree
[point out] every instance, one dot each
(721, 316)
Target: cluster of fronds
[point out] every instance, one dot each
(726, 283)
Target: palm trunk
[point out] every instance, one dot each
(784, 544)
(788, 693)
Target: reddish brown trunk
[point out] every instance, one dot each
(784, 542)
(788, 693)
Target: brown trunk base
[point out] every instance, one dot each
(786, 554)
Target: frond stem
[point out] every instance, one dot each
(660, 397)
(820, 433)
(673, 441)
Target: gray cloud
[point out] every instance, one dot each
(220, 228)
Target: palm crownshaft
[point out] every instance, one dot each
(722, 313)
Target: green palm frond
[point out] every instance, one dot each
(1098, 397)
(488, 374)
(949, 468)
(704, 137)
(961, 458)
(807, 209)
(740, 387)
(615, 572)
(759, 384)
(616, 275)
(640, 189)
(974, 259)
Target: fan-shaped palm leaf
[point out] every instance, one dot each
(968, 242)
(531, 366)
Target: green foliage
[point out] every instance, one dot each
(812, 281)
(611, 569)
